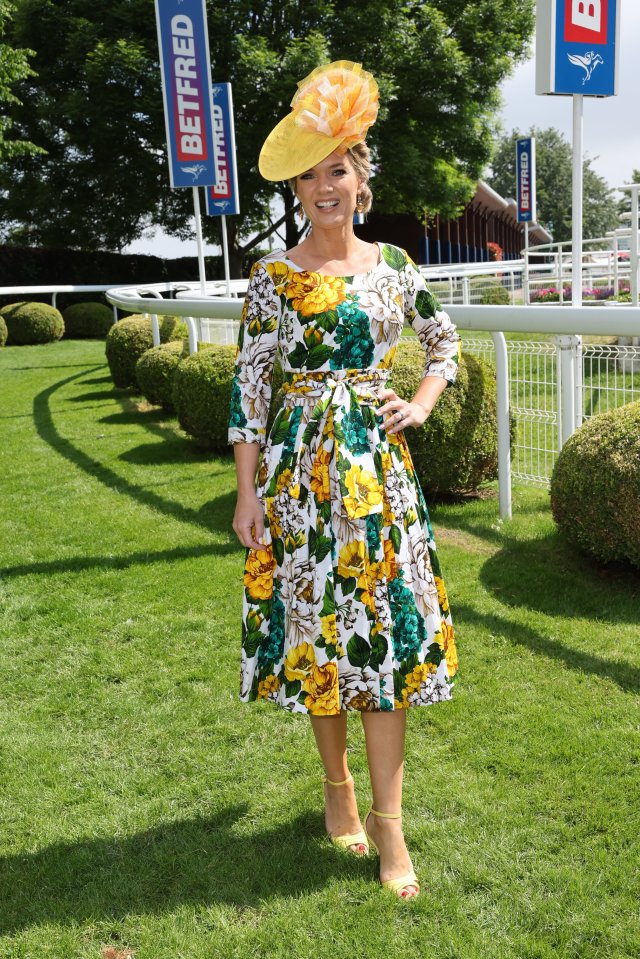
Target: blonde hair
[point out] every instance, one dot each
(360, 158)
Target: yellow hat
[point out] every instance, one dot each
(333, 107)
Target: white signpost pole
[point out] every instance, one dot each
(576, 55)
(198, 219)
(225, 252)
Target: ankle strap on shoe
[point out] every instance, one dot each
(386, 815)
(326, 779)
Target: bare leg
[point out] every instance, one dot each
(341, 811)
(384, 734)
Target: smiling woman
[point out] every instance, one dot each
(344, 606)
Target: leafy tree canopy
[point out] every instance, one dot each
(96, 106)
(14, 66)
(554, 184)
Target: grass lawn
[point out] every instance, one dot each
(143, 808)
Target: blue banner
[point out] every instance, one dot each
(526, 179)
(584, 60)
(183, 41)
(222, 193)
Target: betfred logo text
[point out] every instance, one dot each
(221, 189)
(585, 21)
(191, 141)
(525, 193)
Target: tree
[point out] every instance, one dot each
(14, 66)
(624, 205)
(96, 107)
(554, 184)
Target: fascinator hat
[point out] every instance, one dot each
(333, 107)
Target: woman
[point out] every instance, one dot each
(344, 606)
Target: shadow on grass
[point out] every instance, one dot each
(199, 861)
(547, 575)
(76, 564)
(216, 512)
(626, 676)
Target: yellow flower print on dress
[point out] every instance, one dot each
(284, 483)
(299, 661)
(450, 651)
(372, 574)
(272, 516)
(321, 685)
(280, 273)
(320, 476)
(391, 569)
(364, 491)
(268, 687)
(443, 599)
(351, 559)
(311, 293)
(258, 576)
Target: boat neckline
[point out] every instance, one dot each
(337, 276)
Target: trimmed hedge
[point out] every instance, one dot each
(202, 395)
(128, 339)
(155, 373)
(3, 332)
(29, 323)
(595, 486)
(87, 320)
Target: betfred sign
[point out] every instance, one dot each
(222, 194)
(576, 47)
(526, 179)
(186, 88)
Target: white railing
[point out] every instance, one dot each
(497, 320)
(54, 289)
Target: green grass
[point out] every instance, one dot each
(143, 807)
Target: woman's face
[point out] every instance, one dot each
(328, 191)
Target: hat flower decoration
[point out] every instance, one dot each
(332, 109)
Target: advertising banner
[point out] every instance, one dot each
(526, 179)
(577, 47)
(222, 191)
(183, 40)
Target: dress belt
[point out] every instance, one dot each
(343, 392)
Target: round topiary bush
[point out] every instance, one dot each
(202, 395)
(3, 332)
(595, 486)
(29, 323)
(495, 294)
(128, 339)
(456, 451)
(155, 373)
(87, 320)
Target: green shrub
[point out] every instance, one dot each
(155, 373)
(128, 339)
(202, 395)
(495, 294)
(87, 320)
(3, 332)
(457, 448)
(29, 323)
(595, 486)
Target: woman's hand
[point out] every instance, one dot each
(248, 520)
(400, 413)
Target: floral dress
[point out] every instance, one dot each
(344, 607)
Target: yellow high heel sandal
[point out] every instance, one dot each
(346, 841)
(402, 882)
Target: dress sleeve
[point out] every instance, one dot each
(434, 329)
(255, 356)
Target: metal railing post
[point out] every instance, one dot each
(504, 431)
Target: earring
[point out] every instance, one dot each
(359, 203)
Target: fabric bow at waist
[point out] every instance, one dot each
(342, 393)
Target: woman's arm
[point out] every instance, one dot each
(248, 520)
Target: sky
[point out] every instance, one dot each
(611, 124)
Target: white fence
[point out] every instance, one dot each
(536, 379)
